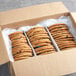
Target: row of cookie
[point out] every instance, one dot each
(62, 36)
(40, 41)
(20, 47)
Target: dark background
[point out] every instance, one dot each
(12, 4)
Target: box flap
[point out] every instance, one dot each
(74, 16)
(3, 52)
(56, 64)
(32, 12)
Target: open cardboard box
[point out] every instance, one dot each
(56, 64)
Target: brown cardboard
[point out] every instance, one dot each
(3, 53)
(56, 64)
(32, 21)
(22, 15)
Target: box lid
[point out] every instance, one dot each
(32, 12)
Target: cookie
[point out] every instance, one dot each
(41, 41)
(20, 47)
(55, 26)
(35, 29)
(41, 44)
(63, 36)
(60, 33)
(38, 32)
(45, 50)
(18, 43)
(45, 53)
(66, 47)
(15, 33)
(67, 43)
(35, 32)
(27, 54)
(58, 30)
(19, 58)
(39, 37)
(21, 51)
(44, 47)
(65, 39)
(17, 37)
(22, 56)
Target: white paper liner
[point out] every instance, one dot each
(45, 23)
(26, 28)
(5, 34)
(53, 40)
(63, 19)
(34, 53)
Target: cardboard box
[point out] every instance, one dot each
(56, 64)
